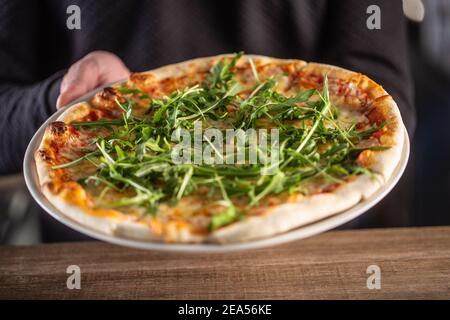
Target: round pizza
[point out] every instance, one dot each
(221, 149)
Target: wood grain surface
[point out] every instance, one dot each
(414, 262)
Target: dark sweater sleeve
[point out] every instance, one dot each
(28, 88)
(381, 54)
(23, 109)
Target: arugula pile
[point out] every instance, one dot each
(136, 155)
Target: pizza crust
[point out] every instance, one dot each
(292, 215)
(103, 224)
(75, 112)
(204, 65)
(386, 161)
(276, 220)
(381, 102)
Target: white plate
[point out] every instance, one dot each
(331, 222)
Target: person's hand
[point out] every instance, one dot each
(94, 70)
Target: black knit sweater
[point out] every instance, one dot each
(36, 46)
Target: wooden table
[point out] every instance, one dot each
(414, 263)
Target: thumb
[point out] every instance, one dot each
(71, 92)
(81, 77)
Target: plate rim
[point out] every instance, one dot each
(323, 225)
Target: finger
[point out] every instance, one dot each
(111, 68)
(82, 77)
(73, 92)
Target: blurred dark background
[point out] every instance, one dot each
(424, 190)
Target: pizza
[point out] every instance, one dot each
(108, 162)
